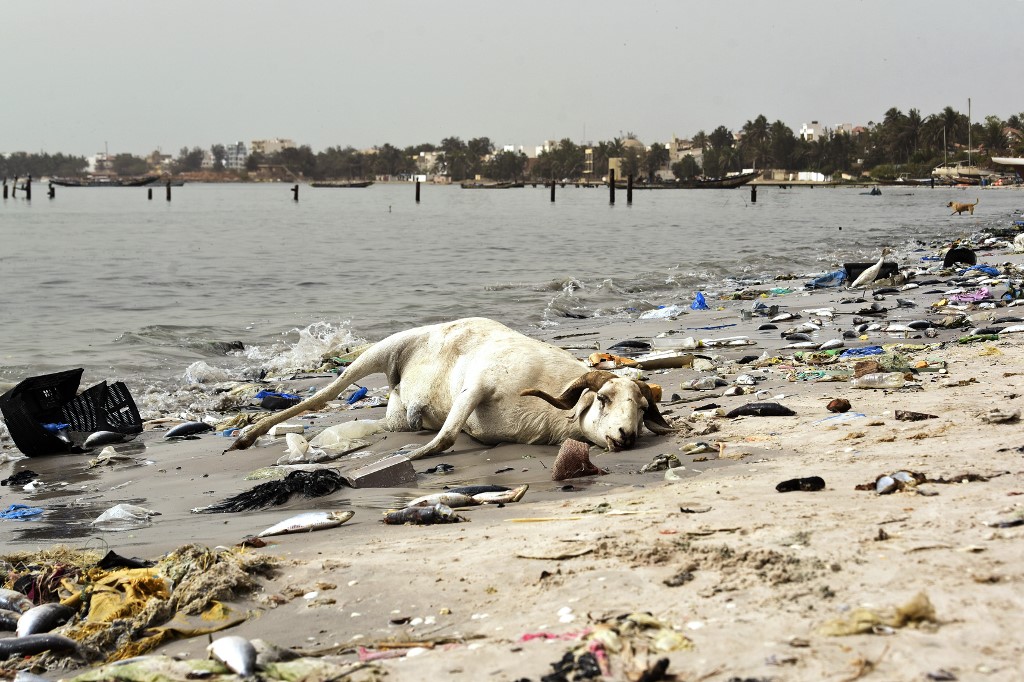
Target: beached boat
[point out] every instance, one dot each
(728, 182)
(959, 169)
(342, 183)
(105, 181)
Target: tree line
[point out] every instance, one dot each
(899, 143)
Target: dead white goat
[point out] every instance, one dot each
(497, 385)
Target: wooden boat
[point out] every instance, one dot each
(342, 183)
(490, 185)
(106, 181)
(728, 182)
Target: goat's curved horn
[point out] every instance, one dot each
(653, 419)
(572, 392)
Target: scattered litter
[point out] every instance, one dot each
(760, 410)
(310, 483)
(21, 512)
(124, 517)
(908, 416)
(809, 484)
(917, 612)
(573, 461)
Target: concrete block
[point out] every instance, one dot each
(393, 470)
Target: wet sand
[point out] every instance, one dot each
(749, 576)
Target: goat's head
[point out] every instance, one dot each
(609, 409)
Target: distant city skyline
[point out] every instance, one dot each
(136, 77)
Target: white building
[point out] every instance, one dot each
(810, 132)
(235, 156)
(271, 146)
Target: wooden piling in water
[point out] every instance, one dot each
(611, 186)
(629, 189)
(14, 188)
(552, 190)
(753, 194)
(295, 193)
(149, 193)
(417, 191)
(168, 190)
(5, 187)
(51, 192)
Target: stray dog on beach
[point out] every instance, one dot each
(959, 208)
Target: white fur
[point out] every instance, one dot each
(468, 375)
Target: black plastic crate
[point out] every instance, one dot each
(52, 399)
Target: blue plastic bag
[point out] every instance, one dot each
(21, 512)
(832, 279)
(861, 352)
(699, 303)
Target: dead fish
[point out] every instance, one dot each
(422, 516)
(29, 645)
(760, 410)
(98, 439)
(919, 324)
(801, 345)
(796, 336)
(501, 497)
(766, 327)
(237, 653)
(830, 344)
(447, 498)
(476, 489)
(12, 600)
(1013, 329)
(805, 328)
(785, 317)
(9, 620)
(43, 618)
(188, 429)
(308, 522)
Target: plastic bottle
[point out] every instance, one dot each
(879, 380)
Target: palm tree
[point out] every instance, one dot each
(701, 140)
(756, 141)
(657, 158)
(782, 145)
(994, 136)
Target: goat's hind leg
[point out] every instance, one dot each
(373, 361)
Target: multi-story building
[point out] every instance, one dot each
(271, 146)
(235, 156)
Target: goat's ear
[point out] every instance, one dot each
(653, 419)
(584, 403)
(592, 380)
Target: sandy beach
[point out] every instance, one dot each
(700, 572)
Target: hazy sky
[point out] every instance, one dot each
(138, 75)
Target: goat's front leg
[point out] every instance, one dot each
(465, 403)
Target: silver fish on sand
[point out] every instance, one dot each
(447, 498)
(502, 497)
(13, 600)
(98, 439)
(308, 522)
(9, 620)
(187, 429)
(237, 653)
(422, 516)
(43, 618)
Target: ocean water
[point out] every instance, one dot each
(157, 293)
